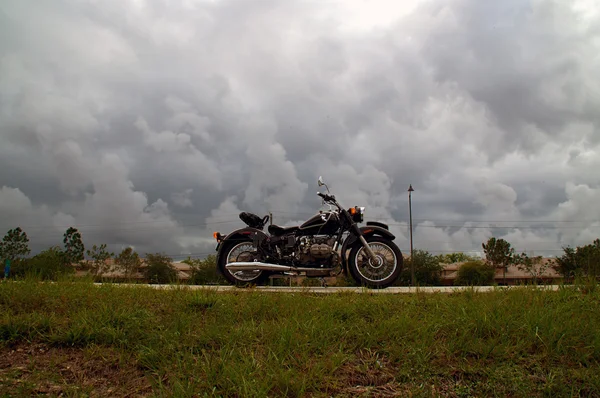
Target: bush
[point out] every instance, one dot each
(475, 273)
(47, 265)
(428, 270)
(159, 268)
(204, 272)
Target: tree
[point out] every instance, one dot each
(99, 256)
(14, 245)
(566, 265)
(534, 266)
(583, 260)
(499, 253)
(128, 261)
(452, 258)
(159, 268)
(204, 272)
(74, 247)
(428, 270)
(475, 273)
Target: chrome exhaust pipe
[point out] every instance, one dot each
(258, 266)
(255, 266)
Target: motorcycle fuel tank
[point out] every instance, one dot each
(316, 225)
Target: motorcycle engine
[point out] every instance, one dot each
(315, 250)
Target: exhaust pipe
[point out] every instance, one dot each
(256, 266)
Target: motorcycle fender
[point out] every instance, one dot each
(242, 233)
(368, 230)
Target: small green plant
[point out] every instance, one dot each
(159, 268)
(475, 273)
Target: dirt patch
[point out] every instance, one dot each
(29, 369)
(369, 374)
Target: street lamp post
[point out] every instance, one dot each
(412, 263)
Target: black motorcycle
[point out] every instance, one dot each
(249, 255)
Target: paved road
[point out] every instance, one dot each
(325, 290)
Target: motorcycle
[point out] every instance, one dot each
(315, 249)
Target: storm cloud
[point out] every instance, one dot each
(154, 123)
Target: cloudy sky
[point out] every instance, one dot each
(154, 123)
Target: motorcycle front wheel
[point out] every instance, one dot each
(240, 251)
(377, 274)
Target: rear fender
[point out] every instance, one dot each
(372, 228)
(240, 235)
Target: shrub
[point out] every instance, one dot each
(159, 268)
(204, 272)
(475, 273)
(428, 270)
(47, 265)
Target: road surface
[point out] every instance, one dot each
(325, 290)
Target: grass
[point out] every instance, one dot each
(77, 339)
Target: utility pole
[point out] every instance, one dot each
(412, 263)
(270, 218)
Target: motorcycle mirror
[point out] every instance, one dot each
(320, 181)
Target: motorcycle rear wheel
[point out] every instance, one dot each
(245, 252)
(376, 275)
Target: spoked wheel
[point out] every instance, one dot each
(382, 272)
(240, 252)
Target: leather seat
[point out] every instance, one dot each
(276, 230)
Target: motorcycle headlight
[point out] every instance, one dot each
(357, 213)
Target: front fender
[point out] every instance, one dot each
(371, 229)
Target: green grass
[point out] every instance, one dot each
(183, 342)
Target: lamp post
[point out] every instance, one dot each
(412, 263)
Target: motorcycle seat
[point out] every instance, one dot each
(276, 230)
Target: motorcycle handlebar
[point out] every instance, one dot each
(327, 198)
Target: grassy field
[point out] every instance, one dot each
(77, 339)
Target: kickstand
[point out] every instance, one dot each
(323, 282)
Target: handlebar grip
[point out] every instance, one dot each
(328, 198)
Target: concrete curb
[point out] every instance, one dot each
(330, 290)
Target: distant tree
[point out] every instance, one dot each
(74, 248)
(99, 256)
(583, 260)
(588, 258)
(566, 265)
(14, 245)
(534, 266)
(499, 253)
(428, 270)
(159, 268)
(128, 261)
(204, 271)
(452, 258)
(475, 273)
